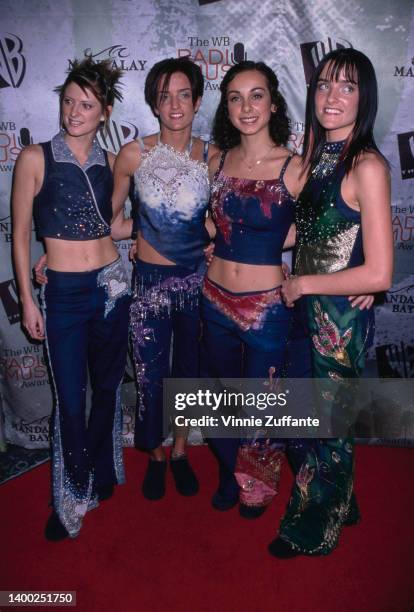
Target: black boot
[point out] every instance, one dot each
(251, 512)
(185, 480)
(153, 486)
(281, 549)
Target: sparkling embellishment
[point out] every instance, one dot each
(325, 237)
(82, 211)
(157, 297)
(115, 280)
(329, 342)
(172, 183)
(329, 158)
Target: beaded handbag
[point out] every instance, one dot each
(257, 472)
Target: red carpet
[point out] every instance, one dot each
(181, 555)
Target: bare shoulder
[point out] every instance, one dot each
(31, 162)
(214, 162)
(213, 150)
(370, 166)
(31, 154)
(150, 141)
(198, 149)
(129, 157)
(296, 163)
(295, 176)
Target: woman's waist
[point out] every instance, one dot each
(248, 247)
(168, 252)
(240, 277)
(76, 256)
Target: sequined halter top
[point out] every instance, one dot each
(329, 234)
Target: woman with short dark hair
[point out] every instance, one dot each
(171, 197)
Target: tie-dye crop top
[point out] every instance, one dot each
(252, 217)
(171, 196)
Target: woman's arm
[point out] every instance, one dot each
(290, 238)
(26, 183)
(370, 183)
(127, 161)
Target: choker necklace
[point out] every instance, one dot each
(257, 162)
(187, 150)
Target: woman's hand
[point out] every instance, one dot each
(291, 290)
(133, 252)
(362, 301)
(285, 270)
(39, 270)
(33, 321)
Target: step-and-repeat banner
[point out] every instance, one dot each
(38, 40)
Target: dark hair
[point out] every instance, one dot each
(165, 68)
(99, 77)
(225, 135)
(357, 69)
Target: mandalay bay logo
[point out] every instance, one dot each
(120, 57)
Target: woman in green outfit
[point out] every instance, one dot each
(344, 246)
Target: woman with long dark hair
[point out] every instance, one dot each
(66, 184)
(254, 185)
(344, 246)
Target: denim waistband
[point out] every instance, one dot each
(56, 275)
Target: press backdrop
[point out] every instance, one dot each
(39, 38)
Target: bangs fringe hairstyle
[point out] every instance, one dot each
(225, 135)
(166, 68)
(359, 70)
(100, 78)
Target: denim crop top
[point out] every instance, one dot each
(170, 202)
(74, 202)
(252, 217)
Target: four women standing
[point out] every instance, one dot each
(343, 212)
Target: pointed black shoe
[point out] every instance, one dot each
(153, 486)
(281, 549)
(222, 503)
(54, 530)
(251, 512)
(185, 480)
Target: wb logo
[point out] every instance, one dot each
(114, 135)
(314, 52)
(406, 149)
(10, 301)
(12, 61)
